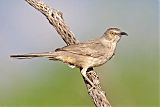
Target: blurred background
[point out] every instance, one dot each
(130, 79)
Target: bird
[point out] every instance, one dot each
(84, 55)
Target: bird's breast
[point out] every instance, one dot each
(111, 51)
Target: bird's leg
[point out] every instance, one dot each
(83, 72)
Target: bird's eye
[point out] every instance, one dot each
(112, 33)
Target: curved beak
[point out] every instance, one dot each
(123, 33)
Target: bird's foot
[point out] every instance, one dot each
(83, 72)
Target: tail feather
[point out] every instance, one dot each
(33, 55)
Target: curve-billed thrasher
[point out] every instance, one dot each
(84, 55)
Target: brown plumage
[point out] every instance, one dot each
(84, 55)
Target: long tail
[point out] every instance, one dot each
(33, 55)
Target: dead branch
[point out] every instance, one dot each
(55, 18)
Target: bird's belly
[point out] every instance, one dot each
(94, 62)
(97, 62)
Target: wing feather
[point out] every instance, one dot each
(91, 48)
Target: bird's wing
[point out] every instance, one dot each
(91, 48)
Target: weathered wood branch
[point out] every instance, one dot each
(55, 17)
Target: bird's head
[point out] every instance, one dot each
(114, 34)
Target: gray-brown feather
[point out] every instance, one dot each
(91, 48)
